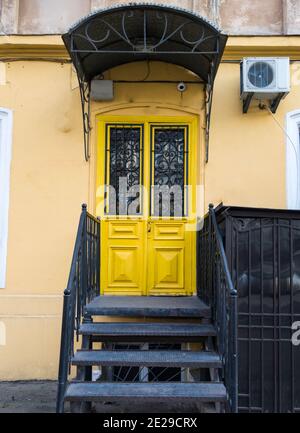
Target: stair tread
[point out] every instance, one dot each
(154, 358)
(89, 391)
(136, 329)
(149, 306)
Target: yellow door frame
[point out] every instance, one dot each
(140, 233)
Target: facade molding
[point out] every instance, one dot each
(5, 162)
(32, 47)
(52, 47)
(293, 159)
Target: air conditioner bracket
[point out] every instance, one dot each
(246, 102)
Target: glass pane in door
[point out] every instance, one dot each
(169, 170)
(124, 161)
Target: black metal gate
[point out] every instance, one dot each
(263, 251)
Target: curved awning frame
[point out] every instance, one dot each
(137, 32)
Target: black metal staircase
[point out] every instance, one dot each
(163, 349)
(150, 333)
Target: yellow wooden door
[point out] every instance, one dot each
(145, 198)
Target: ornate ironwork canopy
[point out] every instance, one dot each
(124, 34)
(136, 32)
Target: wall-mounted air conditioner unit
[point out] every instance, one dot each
(264, 78)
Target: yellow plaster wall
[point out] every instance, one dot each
(50, 179)
(247, 151)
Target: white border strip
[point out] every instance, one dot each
(6, 123)
(293, 159)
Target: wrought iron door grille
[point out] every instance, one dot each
(124, 169)
(169, 170)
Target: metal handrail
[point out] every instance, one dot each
(223, 257)
(215, 286)
(83, 285)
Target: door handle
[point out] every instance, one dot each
(149, 226)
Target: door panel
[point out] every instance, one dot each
(170, 231)
(124, 230)
(145, 247)
(169, 264)
(122, 264)
(169, 271)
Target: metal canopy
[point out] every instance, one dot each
(137, 32)
(123, 34)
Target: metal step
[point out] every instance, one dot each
(97, 391)
(148, 306)
(142, 332)
(148, 358)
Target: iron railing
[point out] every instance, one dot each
(83, 286)
(215, 287)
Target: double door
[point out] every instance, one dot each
(146, 200)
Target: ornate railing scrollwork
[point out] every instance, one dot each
(84, 88)
(99, 33)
